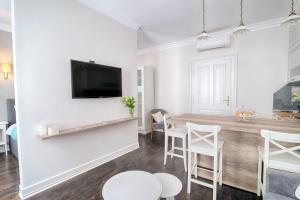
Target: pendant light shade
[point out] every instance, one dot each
(242, 28)
(293, 18)
(203, 35)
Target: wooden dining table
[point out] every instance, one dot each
(241, 141)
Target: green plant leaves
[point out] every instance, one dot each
(129, 102)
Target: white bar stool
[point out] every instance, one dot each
(171, 185)
(203, 140)
(283, 157)
(175, 132)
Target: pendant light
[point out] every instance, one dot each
(203, 35)
(293, 18)
(242, 28)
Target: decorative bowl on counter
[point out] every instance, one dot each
(287, 115)
(244, 114)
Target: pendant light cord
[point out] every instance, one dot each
(242, 21)
(203, 18)
(293, 12)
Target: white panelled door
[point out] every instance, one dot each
(213, 86)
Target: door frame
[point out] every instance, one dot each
(234, 59)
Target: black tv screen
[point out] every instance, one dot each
(91, 80)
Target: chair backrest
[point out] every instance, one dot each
(156, 110)
(163, 112)
(273, 137)
(205, 133)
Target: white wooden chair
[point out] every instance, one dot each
(203, 139)
(174, 132)
(285, 157)
(157, 127)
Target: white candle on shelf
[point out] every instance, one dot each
(53, 130)
(43, 130)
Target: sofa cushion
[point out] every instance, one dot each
(282, 183)
(273, 196)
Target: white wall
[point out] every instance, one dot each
(6, 86)
(294, 35)
(47, 35)
(294, 50)
(262, 70)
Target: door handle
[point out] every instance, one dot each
(227, 100)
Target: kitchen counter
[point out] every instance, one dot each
(232, 123)
(241, 139)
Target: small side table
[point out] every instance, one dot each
(171, 185)
(3, 141)
(132, 185)
(297, 193)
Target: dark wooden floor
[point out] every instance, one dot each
(9, 177)
(149, 158)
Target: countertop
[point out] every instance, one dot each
(232, 123)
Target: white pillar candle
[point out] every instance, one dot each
(43, 130)
(53, 130)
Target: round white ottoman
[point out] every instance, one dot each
(132, 185)
(297, 193)
(171, 185)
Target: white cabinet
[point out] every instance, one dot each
(145, 101)
(294, 54)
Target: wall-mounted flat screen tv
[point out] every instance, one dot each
(91, 80)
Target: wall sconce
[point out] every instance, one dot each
(6, 69)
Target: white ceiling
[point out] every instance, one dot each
(165, 21)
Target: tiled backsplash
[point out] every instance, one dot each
(282, 99)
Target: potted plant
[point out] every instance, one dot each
(296, 100)
(129, 102)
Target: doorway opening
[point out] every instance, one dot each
(9, 164)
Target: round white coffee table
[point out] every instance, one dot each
(297, 193)
(171, 185)
(133, 185)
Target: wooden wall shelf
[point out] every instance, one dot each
(84, 128)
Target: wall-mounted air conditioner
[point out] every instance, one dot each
(213, 43)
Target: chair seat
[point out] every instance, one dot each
(179, 132)
(285, 161)
(158, 125)
(203, 147)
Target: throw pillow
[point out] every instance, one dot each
(158, 117)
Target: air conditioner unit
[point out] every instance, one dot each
(213, 43)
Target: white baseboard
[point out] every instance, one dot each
(45, 184)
